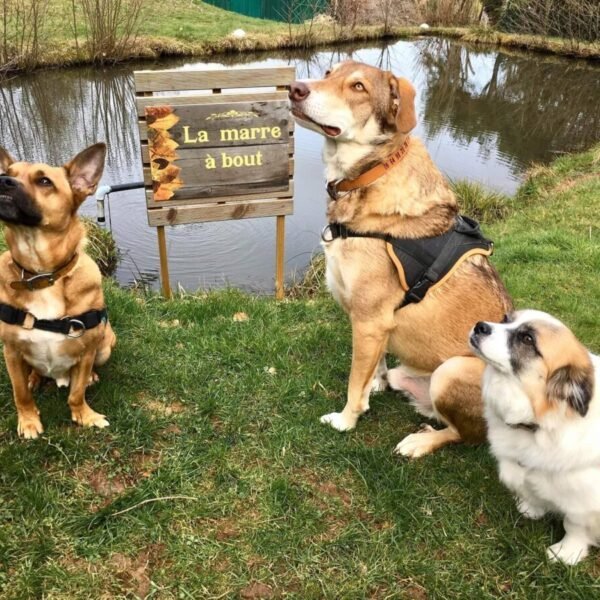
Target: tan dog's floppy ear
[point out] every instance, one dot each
(573, 384)
(5, 160)
(85, 170)
(403, 98)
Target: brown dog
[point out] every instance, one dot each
(383, 183)
(52, 314)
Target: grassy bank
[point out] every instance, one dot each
(216, 480)
(101, 246)
(193, 28)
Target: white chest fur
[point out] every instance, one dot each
(43, 350)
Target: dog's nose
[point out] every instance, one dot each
(7, 183)
(298, 91)
(482, 328)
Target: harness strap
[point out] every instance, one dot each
(430, 261)
(41, 281)
(71, 326)
(417, 292)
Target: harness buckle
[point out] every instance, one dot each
(77, 327)
(327, 234)
(29, 321)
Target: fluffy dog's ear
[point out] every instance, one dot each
(5, 160)
(573, 384)
(85, 170)
(403, 101)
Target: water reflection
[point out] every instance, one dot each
(484, 115)
(525, 108)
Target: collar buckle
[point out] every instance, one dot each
(332, 189)
(29, 321)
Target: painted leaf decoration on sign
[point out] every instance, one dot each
(163, 151)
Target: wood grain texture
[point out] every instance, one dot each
(151, 203)
(239, 124)
(163, 81)
(142, 102)
(177, 215)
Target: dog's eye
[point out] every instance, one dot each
(328, 72)
(527, 339)
(44, 182)
(359, 87)
(505, 319)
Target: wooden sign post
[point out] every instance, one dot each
(216, 155)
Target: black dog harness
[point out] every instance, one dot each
(424, 263)
(72, 327)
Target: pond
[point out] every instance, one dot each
(484, 115)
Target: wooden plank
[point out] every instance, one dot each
(163, 81)
(279, 257)
(219, 212)
(141, 102)
(153, 204)
(146, 153)
(202, 173)
(143, 129)
(148, 175)
(164, 261)
(217, 125)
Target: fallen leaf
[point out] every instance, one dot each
(241, 316)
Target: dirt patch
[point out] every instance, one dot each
(571, 182)
(134, 572)
(161, 406)
(106, 485)
(256, 590)
(413, 590)
(226, 529)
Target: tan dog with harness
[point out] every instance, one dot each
(53, 320)
(412, 274)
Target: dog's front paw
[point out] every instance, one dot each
(417, 444)
(568, 551)
(29, 427)
(339, 421)
(88, 418)
(530, 510)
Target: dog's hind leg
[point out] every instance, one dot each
(29, 424)
(368, 345)
(455, 392)
(103, 353)
(415, 387)
(380, 381)
(81, 413)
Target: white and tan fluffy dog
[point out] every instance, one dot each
(543, 413)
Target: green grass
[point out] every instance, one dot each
(225, 413)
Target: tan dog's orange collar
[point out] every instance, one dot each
(41, 281)
(368, 177)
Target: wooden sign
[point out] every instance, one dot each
(218, 153)
(207, 151)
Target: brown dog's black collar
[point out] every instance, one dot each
(41, 281)
(368, 177)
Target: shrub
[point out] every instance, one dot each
(573, 19)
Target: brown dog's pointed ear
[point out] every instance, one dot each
(573, 384)
(5, 160)
(403, 99)
(85, 170)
